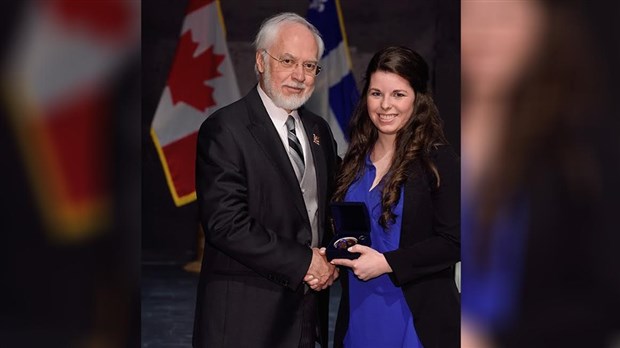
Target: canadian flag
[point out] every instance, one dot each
(60, 75)
(200, 81)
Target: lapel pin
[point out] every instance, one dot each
(316, 139)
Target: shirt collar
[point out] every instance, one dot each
(277, 114)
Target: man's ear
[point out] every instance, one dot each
(260, 62)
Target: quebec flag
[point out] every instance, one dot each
(335, 91)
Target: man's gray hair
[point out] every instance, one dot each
(268, 31)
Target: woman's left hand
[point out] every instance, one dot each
(369, 265)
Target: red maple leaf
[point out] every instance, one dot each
(189, 74)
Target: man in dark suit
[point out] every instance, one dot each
(264, 171)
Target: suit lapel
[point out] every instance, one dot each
(314, 143)
(269, 142)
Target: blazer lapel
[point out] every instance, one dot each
(314, 143)
(269, 142)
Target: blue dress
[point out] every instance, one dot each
(378, 313)
(490, 290)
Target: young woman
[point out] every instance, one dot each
(401, 291)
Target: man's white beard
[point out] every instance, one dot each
(289, 103)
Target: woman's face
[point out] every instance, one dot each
(390, 102)
(499, 39)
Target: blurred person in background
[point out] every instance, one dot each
(401, 291)
(538, 267)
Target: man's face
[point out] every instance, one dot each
(288, 87)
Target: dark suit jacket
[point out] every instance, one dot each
(256, 227)
(423, 265)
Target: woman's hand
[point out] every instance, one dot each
(369, 265)
(472, 335)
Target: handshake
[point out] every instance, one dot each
(321, 274)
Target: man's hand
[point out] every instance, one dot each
(336, 273)
(369, 265)
(321, 274)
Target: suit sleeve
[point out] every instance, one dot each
(222, 193)
(443, 248)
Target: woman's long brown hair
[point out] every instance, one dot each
(413, 142)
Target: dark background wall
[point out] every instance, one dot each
(432, 28)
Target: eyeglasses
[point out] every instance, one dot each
(289, 63)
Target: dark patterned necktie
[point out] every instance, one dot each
(295, 149)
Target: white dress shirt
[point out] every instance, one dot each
(279, 116)
(308, 183)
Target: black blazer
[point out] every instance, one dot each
(256, 227)
(423, 265)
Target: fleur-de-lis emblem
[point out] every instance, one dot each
(316, 139)
(318, 5)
